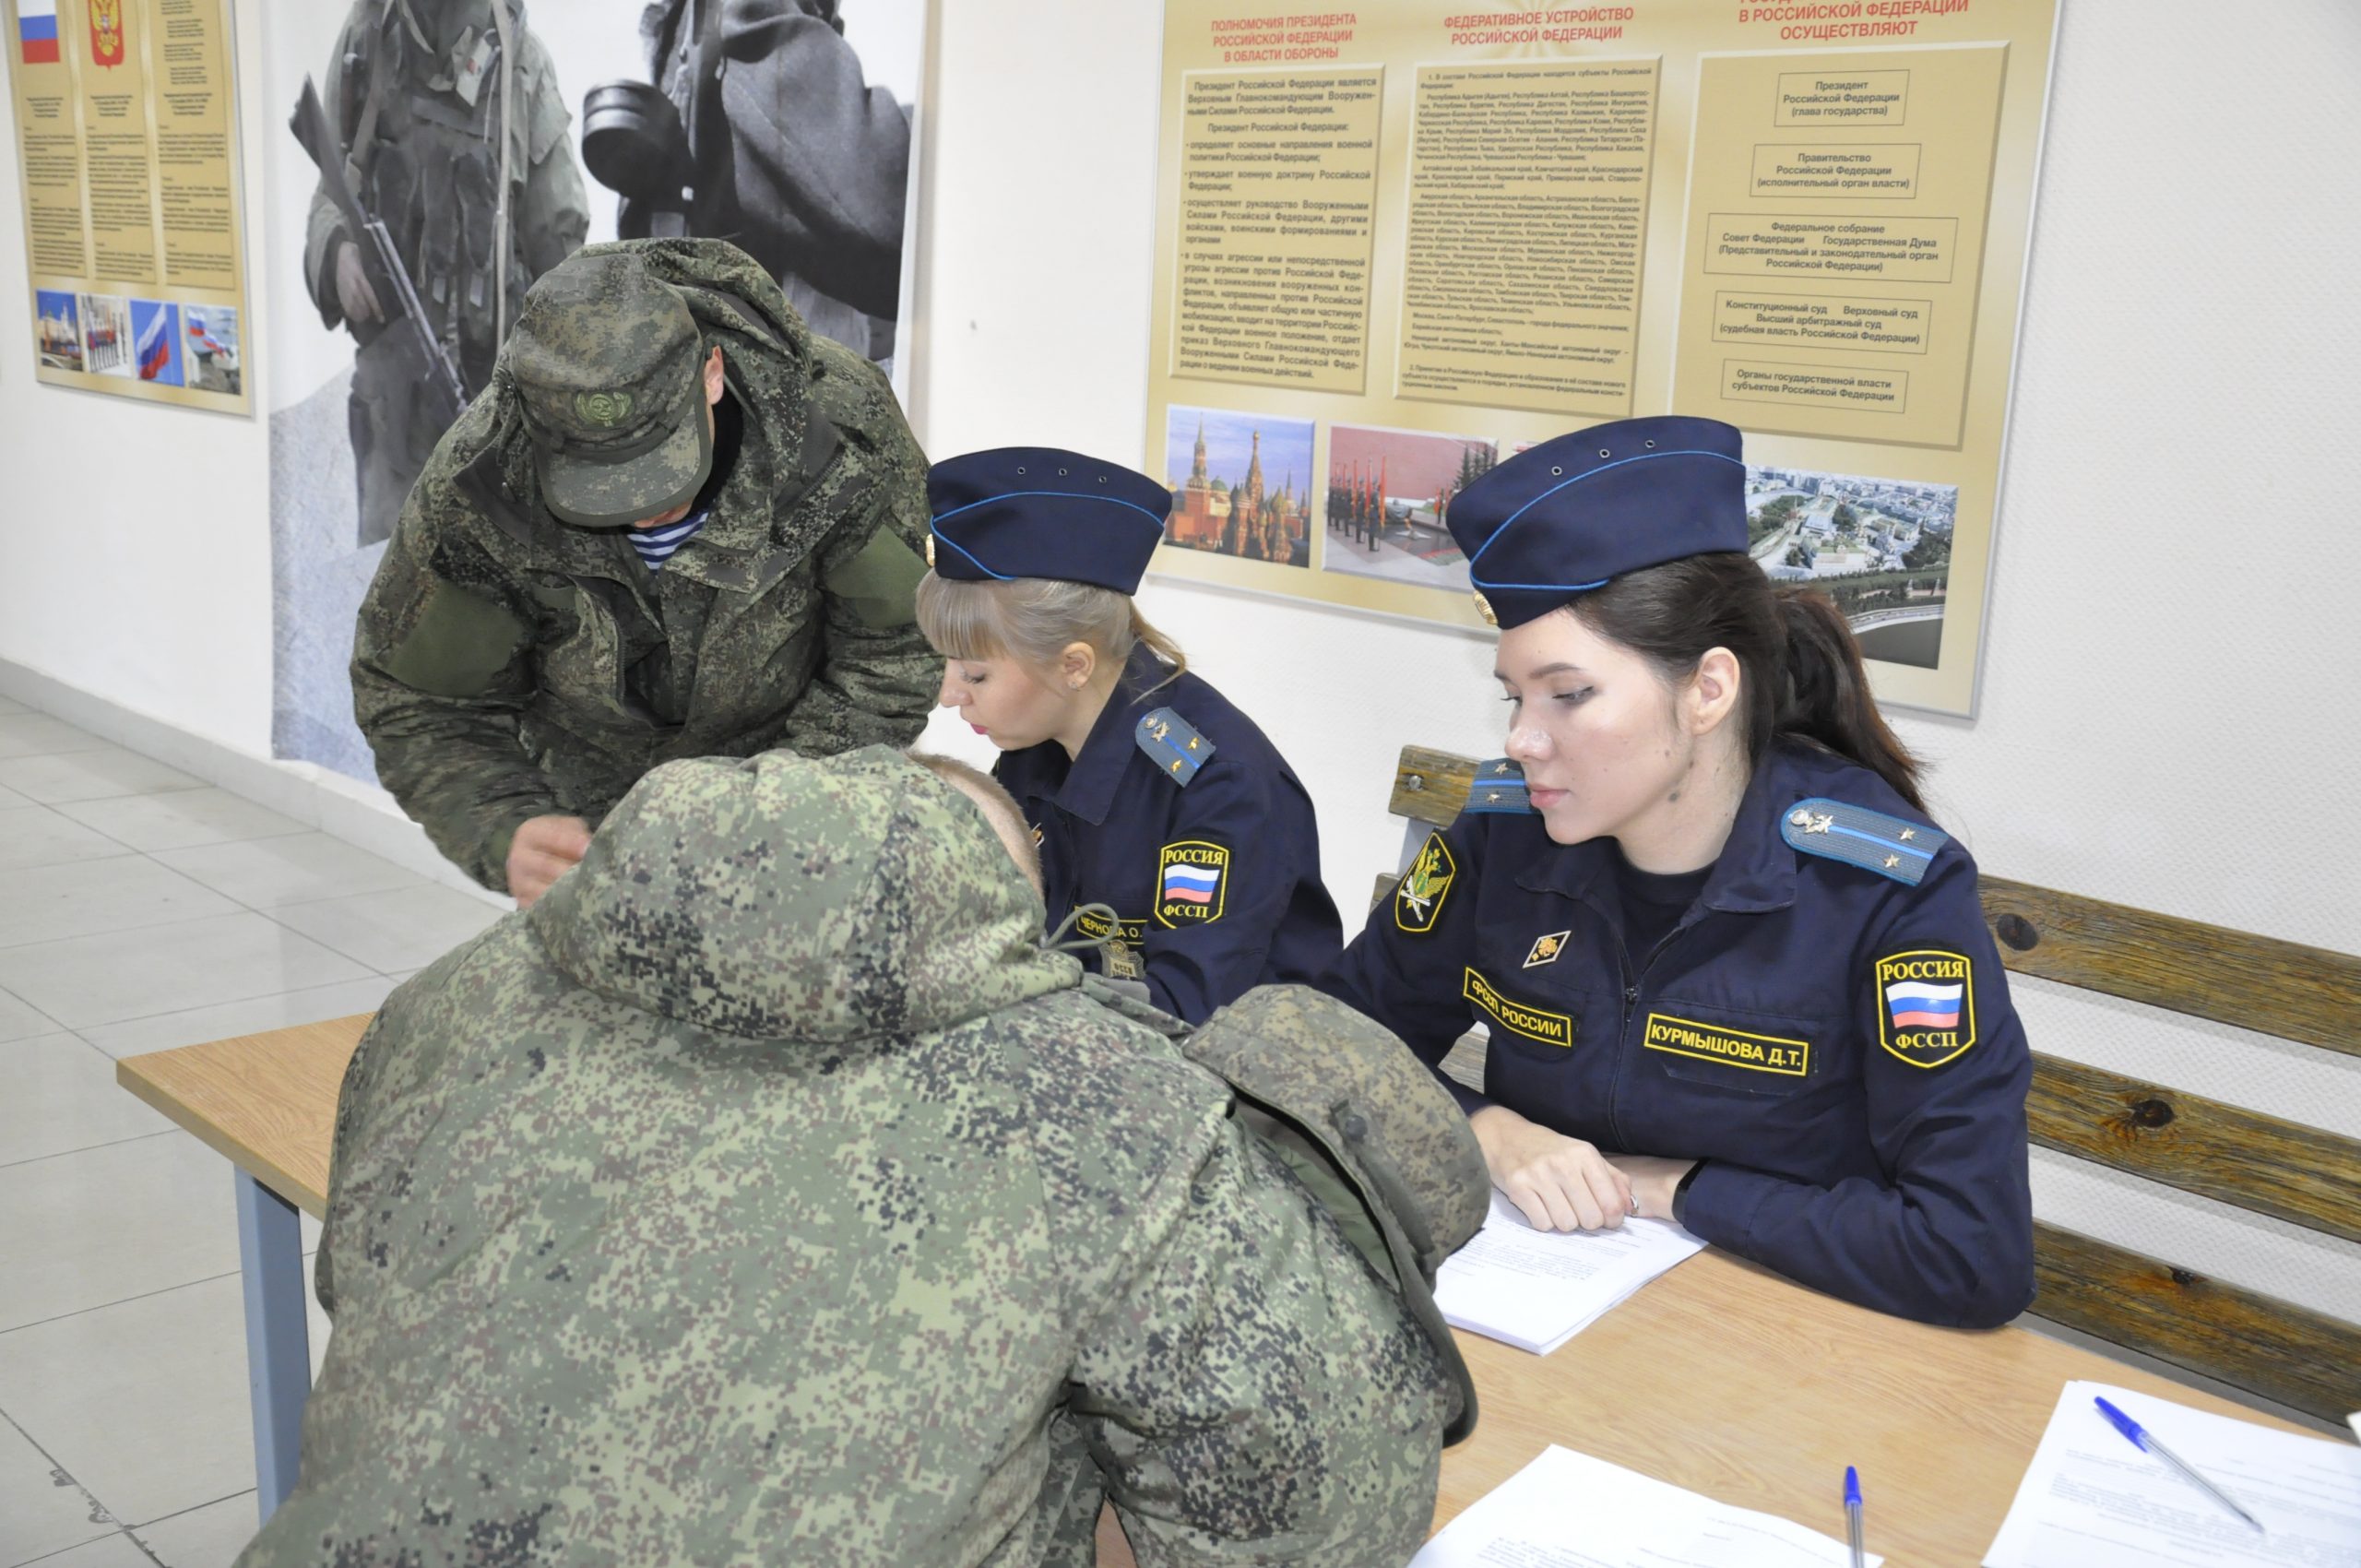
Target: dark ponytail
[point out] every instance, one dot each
(1800, 670)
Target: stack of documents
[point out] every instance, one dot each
(1568, 1510)
(2092, 1500)
(1535, 1289)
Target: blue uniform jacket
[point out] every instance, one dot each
(1781, 1033)
(1215, 881)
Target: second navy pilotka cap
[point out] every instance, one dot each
(1043, 512)
(1574, 512)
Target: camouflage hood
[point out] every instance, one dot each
(1344, 1104)
(778, 902)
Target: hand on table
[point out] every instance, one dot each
(1557, 1182)
(540, 852)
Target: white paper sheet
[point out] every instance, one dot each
(2092, 1500)
(1535, 1289)
(1568, 1510)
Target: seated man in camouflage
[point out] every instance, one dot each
(676, 524)
(769, 1193)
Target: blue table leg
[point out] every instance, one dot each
(278, 1347)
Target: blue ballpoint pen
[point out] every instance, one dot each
(1853, 1516)
(2145, 1440)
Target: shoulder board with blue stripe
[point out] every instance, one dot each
(1172, 745)
(1872, 841)
(1498, 789)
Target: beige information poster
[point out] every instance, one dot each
(1399, 242)
(126, 141)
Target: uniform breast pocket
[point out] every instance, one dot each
(1535, 1010)
(584, 667)
(1737, 1052)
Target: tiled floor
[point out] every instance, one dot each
(140, 910)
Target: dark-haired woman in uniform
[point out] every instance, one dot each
(1732, 973)
(1147, 792)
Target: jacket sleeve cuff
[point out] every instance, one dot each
(1722, 1201)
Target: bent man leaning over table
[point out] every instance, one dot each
(768, 1192)
(676, 524)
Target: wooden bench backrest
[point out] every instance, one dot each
(2262, 1164)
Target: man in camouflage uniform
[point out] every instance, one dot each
(519, 665)
(768, 1192)
(794, 156)
(415, 94)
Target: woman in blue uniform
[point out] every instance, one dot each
(1146, 790)
(1732, 973)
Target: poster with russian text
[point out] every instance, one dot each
(1400, 243)
(127, 149)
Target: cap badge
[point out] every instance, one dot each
(603, 407)
(1484, 608)
(929, 550)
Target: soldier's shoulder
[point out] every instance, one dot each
(461, 486)
(854, 395)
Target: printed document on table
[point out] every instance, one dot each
(1568, 1510)
(2090, 1500)
(1535, 1289)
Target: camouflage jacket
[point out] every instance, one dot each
(507, 665)
(768, 1194)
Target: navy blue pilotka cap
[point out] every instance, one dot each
(1042, 512)
(1576, 512)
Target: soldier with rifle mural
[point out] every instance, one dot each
(447, 186)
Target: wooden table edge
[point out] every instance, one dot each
(134, 1074)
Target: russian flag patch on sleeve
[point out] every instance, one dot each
(1927, 1005)
(1192, 883)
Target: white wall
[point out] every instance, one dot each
(134, 539)
(2167, 715)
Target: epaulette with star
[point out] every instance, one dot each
(1498, 788)
(1890, 846)
(1173, 746)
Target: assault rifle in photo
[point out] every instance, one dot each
(388, 276)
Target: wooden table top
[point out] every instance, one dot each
(267, 1102)
(1720, 1376)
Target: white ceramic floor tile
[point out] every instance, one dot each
(210, 1537)
(252, 1015)
(62, 1095)
(97, 1226)
(19, 1020)
(107, 978)
(302, 868)
(118, 896)
(37, 734)
(179, 819)
(41, 1508)
(117, 1551)
(144, 1402)
(9, 704)
(10, 800)
(399, 931)
(90, 776)
(36, 835)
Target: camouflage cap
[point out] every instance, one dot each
(606, 359)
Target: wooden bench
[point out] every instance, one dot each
(2262, 1164)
